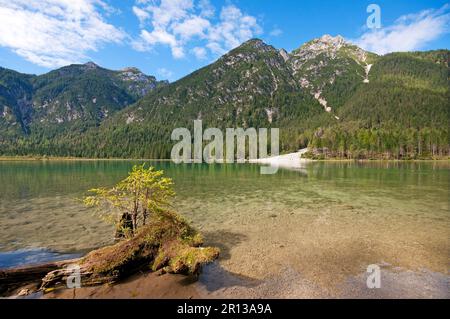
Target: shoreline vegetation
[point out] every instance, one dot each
(310, 157)
(149, 238)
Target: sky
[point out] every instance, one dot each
(172, 38)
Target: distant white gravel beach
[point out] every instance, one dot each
(291, 160)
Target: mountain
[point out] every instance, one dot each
(401, 112)
(74, 97)
(16, 92)
(251, 86)
(331, 69)
(328, 94)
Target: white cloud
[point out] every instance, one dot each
(276, 32)
(158, 36)
(182, 24)
(195, 26)
(142, 15)
(200, 53)
(216, 48)
(408, 33)
(54, 33)
(206, 9)
(234, 28)
(165, 73)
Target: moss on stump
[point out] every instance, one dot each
(166, 243)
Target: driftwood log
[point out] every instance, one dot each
(11, 279)
(166, 243)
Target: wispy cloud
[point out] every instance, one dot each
(165, 73)
(142, 15)
(276, 32)
(408, 33)
(200, 53)
(54, 33)
(180, 24)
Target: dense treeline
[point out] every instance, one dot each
(381, 143)
(402, 113)
(349, 142)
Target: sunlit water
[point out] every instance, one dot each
(326, 221)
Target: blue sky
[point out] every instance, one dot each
(171, 38)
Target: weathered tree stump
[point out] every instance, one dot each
(11, 279)
(166, 243)
(124, 227)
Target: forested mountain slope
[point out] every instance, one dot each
(330, 95)
(72, 98)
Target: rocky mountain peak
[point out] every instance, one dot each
(91, 65)
(284, 54)
(328, 47)
(326, 39)
(135, 75)
(251, 51)
(255, 43)
(326, 44)
(131, 69)
(137, 82)
(319, 63)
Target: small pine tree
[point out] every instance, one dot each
(131, 202)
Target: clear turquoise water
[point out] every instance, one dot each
(327, 220)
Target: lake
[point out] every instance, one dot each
(321, 224)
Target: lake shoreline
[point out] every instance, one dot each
(215, 283)
(148, 285)
(58, 158)
(165, 244)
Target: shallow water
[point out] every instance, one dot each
(30, 256)
(325, 221)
